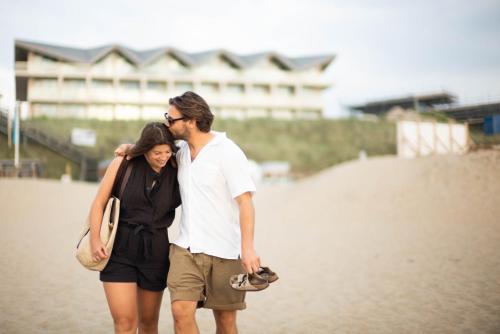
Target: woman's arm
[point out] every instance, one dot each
(97, 209)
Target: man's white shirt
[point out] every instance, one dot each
(208, 186)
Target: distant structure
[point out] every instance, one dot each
(116, 82)
(444, 102)
(472, 113)
(419, 103)
(276, 171)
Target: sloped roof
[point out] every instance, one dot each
(426, 100)
(188, 59)
(305, 62)
(284, 61)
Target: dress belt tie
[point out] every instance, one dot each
(146, 238)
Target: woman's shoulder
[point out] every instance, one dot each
(115, 164)
(112, 169)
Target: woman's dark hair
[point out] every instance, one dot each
(193, 106)
(154, 133)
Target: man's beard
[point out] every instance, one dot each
(182, 136)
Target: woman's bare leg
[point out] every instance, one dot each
(122, 301)
(149, 303)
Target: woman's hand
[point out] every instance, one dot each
(99, 251)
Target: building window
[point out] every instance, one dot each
(74, 83)
(183, 86)
(102, 89)
(153, 112)
(258, 113)
(282, 114)
(237, 113)
(308, 113)
(44, 109)
(157, 86)
(311, 90)
(286, 90)
(73, 110)
(127, 112)
(262, 89)
(235, 89)
(209, 88)
(100, 111)
(102, 84)
(74, 88)
(130, 85)
(45, 84)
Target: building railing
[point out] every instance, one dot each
(27, 168)
(21, 65)
(242, 77)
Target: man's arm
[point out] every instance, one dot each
(249, 258)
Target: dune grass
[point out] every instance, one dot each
(309, 145)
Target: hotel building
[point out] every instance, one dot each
(116, 82)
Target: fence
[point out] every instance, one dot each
(415, 138)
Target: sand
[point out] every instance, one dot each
(377, 246)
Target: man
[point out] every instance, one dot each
(217, 223)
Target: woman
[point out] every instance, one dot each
(135, 276)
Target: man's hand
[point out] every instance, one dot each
(123, 150)
(250, 261)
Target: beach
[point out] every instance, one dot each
(378, 246)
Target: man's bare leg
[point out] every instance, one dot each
(226, 322)
(184, 317)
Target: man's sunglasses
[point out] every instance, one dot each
(171, 121)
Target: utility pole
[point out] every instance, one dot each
(17, 111)
(9, 127)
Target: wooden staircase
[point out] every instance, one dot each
(88, 164)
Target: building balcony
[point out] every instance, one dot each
(21, 66)
(243, 101)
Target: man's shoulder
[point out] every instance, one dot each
(228, 145)
(182, 145)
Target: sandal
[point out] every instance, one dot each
(267, 274)
(248, 282)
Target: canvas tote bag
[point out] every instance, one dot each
(109, 225)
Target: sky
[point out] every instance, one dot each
(383, 49)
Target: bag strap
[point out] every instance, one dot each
(125, 179)
(121, 179)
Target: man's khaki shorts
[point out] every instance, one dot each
(204, 279)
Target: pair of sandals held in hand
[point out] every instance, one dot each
(253, 282)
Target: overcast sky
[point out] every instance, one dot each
(384, 48)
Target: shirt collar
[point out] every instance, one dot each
(218, 138)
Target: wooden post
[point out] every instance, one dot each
(16, 136)
(418, 139)
(450, 136)
(469, 142)
(9, 128)
(434, 138)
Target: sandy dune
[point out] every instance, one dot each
(380, 246)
